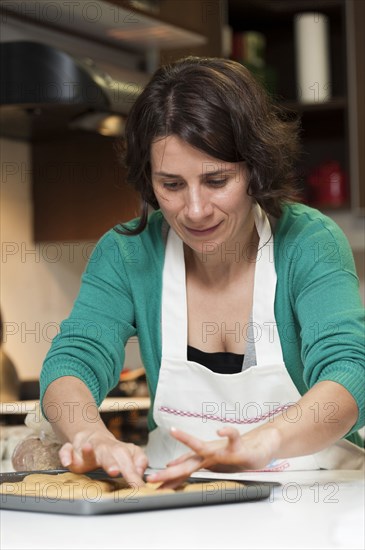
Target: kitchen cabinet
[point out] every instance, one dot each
(79, 188)
(204, 17)
(332, 130)
(117, 24)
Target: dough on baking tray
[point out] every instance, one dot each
(211, 486)
(75, 486)
(67, 485)
(79, 486)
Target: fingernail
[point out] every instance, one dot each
(173, 429)
(151, 477)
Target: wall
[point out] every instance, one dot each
(39, 282)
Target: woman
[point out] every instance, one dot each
(245, 302)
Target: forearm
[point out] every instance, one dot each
(71, 408)
(320, 418)
(88, 444)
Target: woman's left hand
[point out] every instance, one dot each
(251, 451)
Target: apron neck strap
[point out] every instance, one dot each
(174, 303)
(266, 336)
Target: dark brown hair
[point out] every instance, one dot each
(217, 106)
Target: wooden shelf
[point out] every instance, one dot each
(110, 405)
(109, 22)
(331, 130)
(269, 12)
(275, 20)
(334, 104)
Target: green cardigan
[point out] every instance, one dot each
(318, 309)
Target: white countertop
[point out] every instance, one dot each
(310, 510)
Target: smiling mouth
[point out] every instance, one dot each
(202, 231)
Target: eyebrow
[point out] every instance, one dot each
(215, 173)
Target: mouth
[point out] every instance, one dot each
(203, 231)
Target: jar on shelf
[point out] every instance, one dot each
(328, 185)
(249, 48)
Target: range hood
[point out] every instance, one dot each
(46, 92)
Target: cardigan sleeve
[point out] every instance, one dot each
(91, 341)
(327, 304)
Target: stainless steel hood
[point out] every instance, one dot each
(46, 92)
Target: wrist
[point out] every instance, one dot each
(273, 436)
(261, 446)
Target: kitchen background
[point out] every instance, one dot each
(62, 186)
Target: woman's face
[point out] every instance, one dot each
(202, 198)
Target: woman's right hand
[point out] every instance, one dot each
(91, 450)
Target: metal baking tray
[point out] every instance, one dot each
(209, 494)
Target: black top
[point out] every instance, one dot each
(222, 362)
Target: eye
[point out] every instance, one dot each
(172, 185)
(217, 183)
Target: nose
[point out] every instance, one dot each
(197, 203)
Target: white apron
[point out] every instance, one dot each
(192, 398)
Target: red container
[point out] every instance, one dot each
(328, 185)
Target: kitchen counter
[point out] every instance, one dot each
(310, 510)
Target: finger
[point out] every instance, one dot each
(141, 470)
(78, 464)
(105, 458)
(117, 460)
(175, 474)
(193, 442)
(82, 460)
(132, 476)
(88, 457)
(65, 454)
(180, 459)
(234, 437)
(88, 453)
(174, 484)
(179, 479)
(106, 461)
(139, 458)
(141, 464)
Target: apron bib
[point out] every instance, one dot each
(192, 398)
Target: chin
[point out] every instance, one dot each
(206, 247)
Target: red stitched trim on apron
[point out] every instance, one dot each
(278, 468)
(254, 420)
